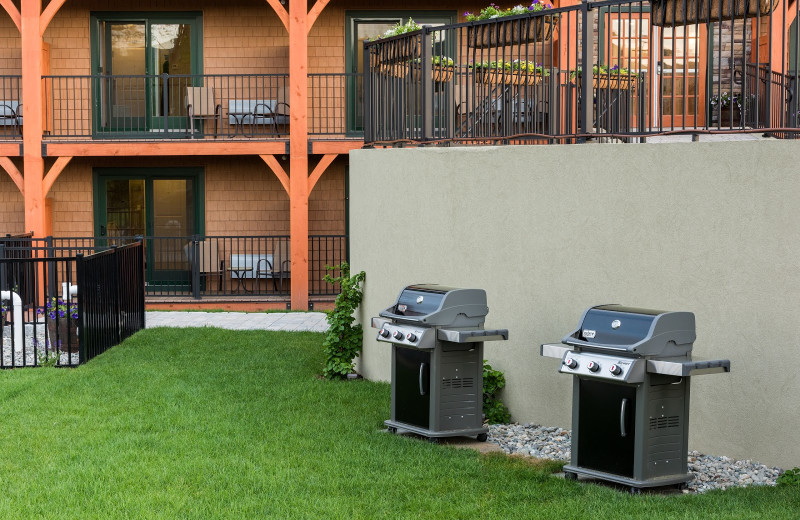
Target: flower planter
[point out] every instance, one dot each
(519, 31)
(613, 81)
(671, 12)
(729, 117)
(62, 334)
(507, 77)
(439, 73)
(397, 70)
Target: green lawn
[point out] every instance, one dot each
(206, 423)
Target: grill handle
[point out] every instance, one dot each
(421, 387)
(622, 415)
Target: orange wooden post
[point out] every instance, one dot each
(32, 116)
(565, 58)
(298, 152)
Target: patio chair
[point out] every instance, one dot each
(274, 267)
(200, 104)
(210, 264)
(11, 115)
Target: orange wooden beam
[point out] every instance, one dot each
(314, 13)
(281, 12)
(113, 148)
(338, 147)
(48, 14)
(31, 41)
(298, 148)
(13, 12)
(54, 172)
(11, 149)
(14, 173)
(322, 165)
(278, 170)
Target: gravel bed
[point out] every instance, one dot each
(26, 356)
(709, 472)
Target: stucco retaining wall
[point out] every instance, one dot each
(550, 230)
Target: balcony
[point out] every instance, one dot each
(610, 71)
(238, 107)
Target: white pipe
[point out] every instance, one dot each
(18, 321)
(67, 290)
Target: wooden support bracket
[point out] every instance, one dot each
(280, 10)
(314, 13)
(279, 172)
(322, 165)
(53, 174)
(13, 12)
(13, 172)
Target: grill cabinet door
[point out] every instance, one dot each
(412, 386)
(601, 445)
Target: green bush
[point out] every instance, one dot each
(343, 342)
(494, 410)
(791, 477)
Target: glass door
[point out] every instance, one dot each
(131, 54)
(683, 81)
(163, 206)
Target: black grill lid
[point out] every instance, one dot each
(438, 305)
(641, 332)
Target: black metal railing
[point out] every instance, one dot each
(336, 105)
(202, 267)
(11, 108)
(615, 69)
(166, 106)
(77, 307)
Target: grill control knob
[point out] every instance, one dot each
(383, 333)
(397, 335)
(571, 363)
(411, 337)
(593, 366)
(615, 370)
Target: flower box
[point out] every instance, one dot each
(508, 32)
(439, 73)
(616, 81)
(62, 334)
(672, 12)
(508, 77)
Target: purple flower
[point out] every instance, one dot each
(75, 316)
(39, 311)
(61, 314)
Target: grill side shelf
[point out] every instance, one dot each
(553, 350)
(685, 368)
(471, 336)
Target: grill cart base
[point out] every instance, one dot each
(437, 338)
(572, 472)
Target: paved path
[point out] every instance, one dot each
(294, 321)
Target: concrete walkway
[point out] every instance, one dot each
(291, 321)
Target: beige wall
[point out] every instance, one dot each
(550, 230)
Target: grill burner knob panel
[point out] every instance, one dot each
(593, 366)
(383, 333)
(615, 370)
(398, 335)
(571, 363)
(411, 337)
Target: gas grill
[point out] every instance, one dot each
(437, 338)
(630, 394)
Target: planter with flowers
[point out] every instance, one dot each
(517, 72)
(395, 59)
(517, 30)
(690, 12)
(728, 108)
(62, 324)
(614, 78)
(442, 71)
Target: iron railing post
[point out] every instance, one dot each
(195, 259)
(165, 101)
(367, 82)
(51, 273)
(80, 271)
(426, 82)
(587, 61)
(3, 268)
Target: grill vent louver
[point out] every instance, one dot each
(466, 382)
(659, 423)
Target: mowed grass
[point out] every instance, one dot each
(206, 423)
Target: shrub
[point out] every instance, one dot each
(791, 477)
(494, 381)
(343, 342)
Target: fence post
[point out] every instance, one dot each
(51, 272)
(587, 61)
(195, 259)
(426, 87)
(3, 274)
(165, 102)
(140, 270)
(80, 271)
(367, 80)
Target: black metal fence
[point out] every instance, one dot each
(166, 106)
(617, 69)
(74, 307)
(111, 297)
(336, 105)
(11, 107)
(202, 267)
